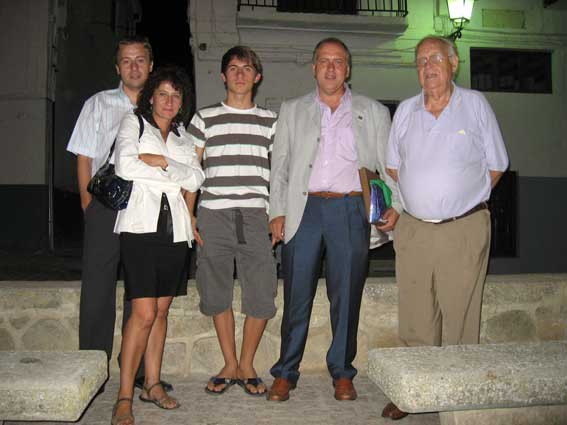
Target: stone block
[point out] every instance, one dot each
(318, 343)
(49, 335)
(429, 379)
(380, 291)
(534, 415)
(6, 341)
(198, 324)
(19, 322)
(206, 356)
(173, 359)
(275, 324)
(27, 298)
(513, 325)
(179, 326)
(49, 386)
(520, 289)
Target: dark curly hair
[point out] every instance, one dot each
(180, 81)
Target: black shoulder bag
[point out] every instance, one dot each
(109, 189)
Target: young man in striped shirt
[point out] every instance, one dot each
(234, 139)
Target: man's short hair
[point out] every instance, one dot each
(331, 40)
(444, 41)
(243, 53)
(136, 39)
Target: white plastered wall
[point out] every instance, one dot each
(534, 126)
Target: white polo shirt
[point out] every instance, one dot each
(443, 164)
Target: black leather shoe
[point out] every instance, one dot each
(139, 383)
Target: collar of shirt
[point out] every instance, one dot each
(173, 126)
(455, 97)
(234, 110)
(344, 106)
(123, 96)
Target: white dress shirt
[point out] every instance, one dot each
(98, 124)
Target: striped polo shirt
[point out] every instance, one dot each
(237, 145)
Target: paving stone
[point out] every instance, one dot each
(49, 385)
(312, 403)
(535, 415)
(426, 379)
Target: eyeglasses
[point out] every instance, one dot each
(435, 59)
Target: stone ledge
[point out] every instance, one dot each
(54, 386)
(44, 316)
(467, 377)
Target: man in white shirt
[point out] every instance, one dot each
(446, 153)
(91, 141)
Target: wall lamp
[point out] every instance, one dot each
(460, 12)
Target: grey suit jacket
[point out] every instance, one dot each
(295, 147)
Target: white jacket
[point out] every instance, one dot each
(183, 172)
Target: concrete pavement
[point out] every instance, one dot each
(311, 403)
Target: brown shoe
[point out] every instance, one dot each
(391, 411)
(280, 390)
(344, 389)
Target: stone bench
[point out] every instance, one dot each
(515, 383)
(49, 385)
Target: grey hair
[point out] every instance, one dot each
(446, 42)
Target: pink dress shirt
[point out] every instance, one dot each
(335, 168)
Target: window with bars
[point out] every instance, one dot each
(342, 7)
(509, 70)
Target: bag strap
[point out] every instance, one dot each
(141, 121)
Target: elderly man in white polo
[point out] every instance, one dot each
(446, 153)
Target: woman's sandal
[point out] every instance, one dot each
(127, 419)
(162, 403)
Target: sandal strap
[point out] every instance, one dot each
(166, 399)
(217, 380)
(253, 381)
(148, 389)
(120, 400)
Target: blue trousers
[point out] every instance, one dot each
(339, 230)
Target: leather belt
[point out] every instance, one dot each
(479, 207)
(334, 195)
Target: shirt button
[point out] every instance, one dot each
(305, 193)
(310, 165)
(318, 139)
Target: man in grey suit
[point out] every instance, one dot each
(316, 208)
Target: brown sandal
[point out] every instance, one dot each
(122, 420)
(161, 403)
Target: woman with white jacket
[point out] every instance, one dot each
(154, 151)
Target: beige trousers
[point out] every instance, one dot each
(440, 271)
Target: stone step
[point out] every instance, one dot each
(54, 386)
(453, 378)
(497, 384)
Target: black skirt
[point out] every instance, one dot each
(154, 265)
